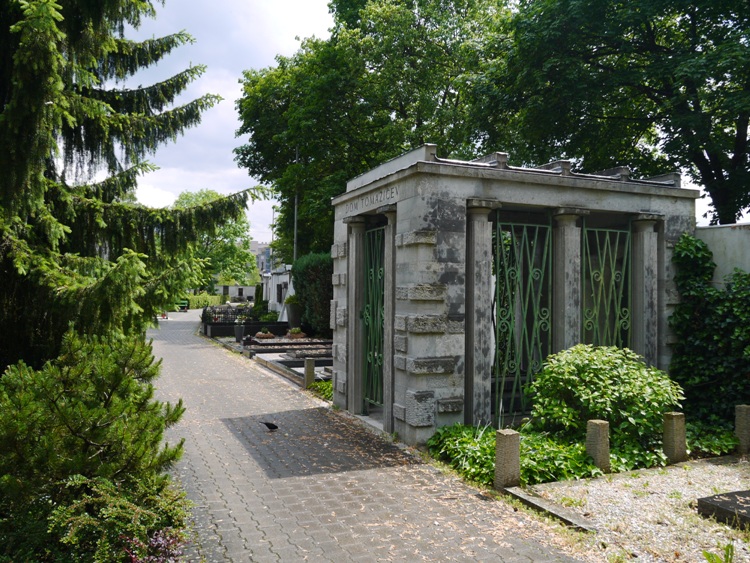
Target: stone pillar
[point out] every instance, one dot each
(507, 459)
(566, 319)
(309, 372)
(355, 303)
(742, 428)
(480, 337)
(675, 439)
(597, 443)
(389, 316)
(644, 307)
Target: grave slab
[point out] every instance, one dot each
(731, 508)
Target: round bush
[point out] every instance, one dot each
(605, 383)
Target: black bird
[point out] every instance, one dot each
(270, 425)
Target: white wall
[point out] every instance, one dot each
(730, 245)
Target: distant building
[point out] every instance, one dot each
(262, 251)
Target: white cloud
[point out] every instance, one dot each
(231, 36)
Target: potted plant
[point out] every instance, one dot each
(264, 333)
(293, 310)
(239, 327)
(295, 332)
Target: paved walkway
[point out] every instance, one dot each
(322, 487)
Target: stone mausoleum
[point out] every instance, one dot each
(454, 280)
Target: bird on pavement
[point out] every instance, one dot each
(270, 425)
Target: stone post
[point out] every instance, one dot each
(507, 459)
(645, 268)
(566, 319)
(480, 338)
(309, 372)
(597, 443)
(742, 428)
(355, 303)
(675, 440)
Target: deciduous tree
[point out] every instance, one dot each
(226, 250)
(390, 78)
(652, 84)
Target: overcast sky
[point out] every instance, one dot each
(231, 36)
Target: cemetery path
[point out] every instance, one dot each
(321, 487)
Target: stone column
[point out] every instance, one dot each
(597, 443)
(480, 338)
(644, 306)
(507, 459)
(566, 319)
(742, 428)
(389, 299)
(355, 303)
(675, 440)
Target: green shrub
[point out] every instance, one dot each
(471, 452)
(91, 412)
(323, 389)
(202, 300)
(545, 459)
(605, 383)
(269, 317)
(710, 437)
(104, 522)
(313, 285)
(711, 358)
(467, 449)
(259, 309)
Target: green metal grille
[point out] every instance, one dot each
(523, 300)
(606, 287)
(373, 315)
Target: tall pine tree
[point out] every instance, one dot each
(84, 269)
(75, 253)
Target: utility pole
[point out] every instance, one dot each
(296, 195)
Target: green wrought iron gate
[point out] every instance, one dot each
(372, 317)
(523, 309)
(606, 286)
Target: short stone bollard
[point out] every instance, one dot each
(597, 443)
(507, 459)
(309, 372)
(675, 439)
(742, 428)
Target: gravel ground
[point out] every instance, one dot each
(650, 515)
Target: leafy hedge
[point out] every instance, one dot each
(711, 359)
(202, 300)
(313, 285)
(607, 383)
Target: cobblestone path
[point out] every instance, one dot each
(322, 487)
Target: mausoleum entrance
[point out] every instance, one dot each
(453, 282)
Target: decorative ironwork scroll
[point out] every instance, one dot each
(606, 287)
(523, 305)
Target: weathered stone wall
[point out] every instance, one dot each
(437, 247)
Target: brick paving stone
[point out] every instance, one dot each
(322, 487)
